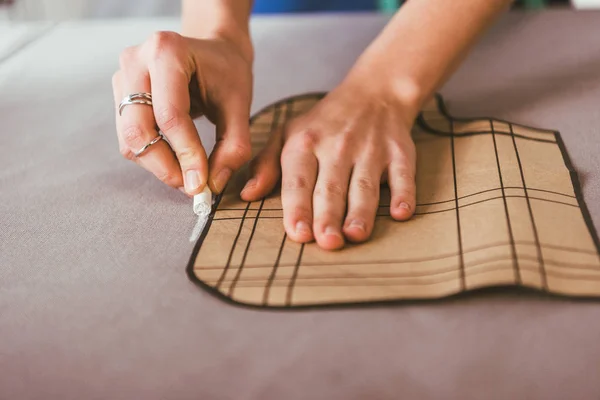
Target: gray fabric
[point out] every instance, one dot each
(94, 300)
(17, 36)
(56, 10)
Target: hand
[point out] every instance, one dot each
(187, 78)
(333, 160)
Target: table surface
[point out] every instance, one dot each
(94, 299)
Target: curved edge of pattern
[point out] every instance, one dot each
(434, 120)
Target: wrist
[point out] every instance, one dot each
(394, 89)
(229, 33)
(241, 41)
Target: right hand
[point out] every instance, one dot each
(187, 78)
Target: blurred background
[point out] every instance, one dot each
(18, 10)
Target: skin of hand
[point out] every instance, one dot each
(210, 75)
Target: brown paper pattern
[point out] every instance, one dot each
(498, 204)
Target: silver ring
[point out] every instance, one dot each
(153, 141)
(135, 98)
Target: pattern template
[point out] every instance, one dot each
(498, 204)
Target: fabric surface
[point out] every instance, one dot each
(94, 299)
(17, 36)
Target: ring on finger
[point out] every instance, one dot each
(147, 145)
(135, 98)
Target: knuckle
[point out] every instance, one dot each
(340, 149)
(163, 40)
(366, 185)
(300, 212)
(126, 153)
(330, 189)
(288, 151)
(241, 149)
(403, 147)
(132, 135)
(168, 177)
(373, 150)
(167, 118)
(188, 155)
(405, 175)
(296, 182)
(308, 138)
(127, 56)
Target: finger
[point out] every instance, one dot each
(136, 126)
(329, 202)
(265, 170)
(169, 75)
(401, 179)
(233, 148)
(298, 176)
(363, 201)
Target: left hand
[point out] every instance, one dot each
(332, 160)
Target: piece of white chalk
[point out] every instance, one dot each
(202, 208)
(203, 202)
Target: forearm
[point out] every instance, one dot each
(425, 42)
(224, 19)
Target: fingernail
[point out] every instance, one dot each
(221, 178)
(331, 231)
(249, 185)
(356, 223)
(404, 205)
(192, 180)
(302, 227)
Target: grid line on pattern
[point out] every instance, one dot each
(237, 237)
(530, 210)
(241, 267)
(513, 249)
(461, 256)
(273, 271)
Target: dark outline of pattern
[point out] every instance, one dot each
(441, 107)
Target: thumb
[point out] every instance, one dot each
(265, 170)
(232, 149)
